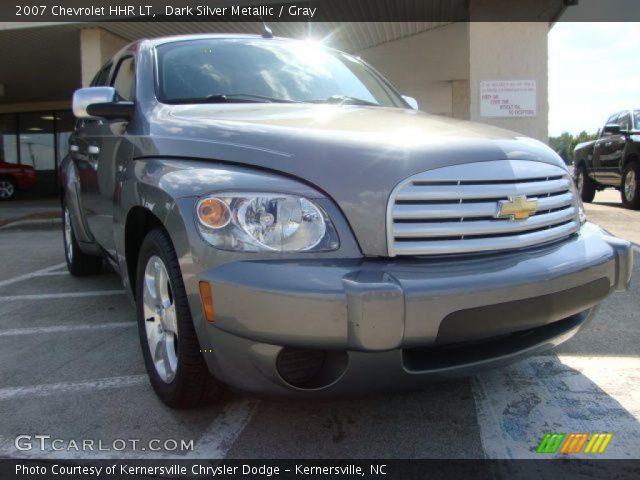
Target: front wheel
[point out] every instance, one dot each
(79, 263)
(630, 188)
(586, 187)
(172, 353)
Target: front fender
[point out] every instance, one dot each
(157, 184)
(140, 186)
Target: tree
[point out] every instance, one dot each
(562, 146)
(566, 143)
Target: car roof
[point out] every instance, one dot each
(154, 42)
(151, 43)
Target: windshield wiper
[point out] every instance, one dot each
(230, 98)
(345, 100)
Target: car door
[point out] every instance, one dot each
(103, 149)
(110, 151)
(603, 156)
(83, 149)
(618, 146)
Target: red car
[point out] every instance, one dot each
(14, 177)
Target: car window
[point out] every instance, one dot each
(124, 80)
(612, 119)
(102, 77)
(263, 70)
(624, 120)
(636, 119)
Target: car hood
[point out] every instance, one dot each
(355, 155)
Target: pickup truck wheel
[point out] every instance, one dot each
(172, 353)
(79, 263)
(586, 186)
(630, 188)
(7, 188)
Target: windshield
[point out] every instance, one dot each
(266, 70)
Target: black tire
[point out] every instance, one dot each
(79, 263)
(191, 384)
(585, 185)
(7, 188)
(630, 186)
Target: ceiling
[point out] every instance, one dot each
(32, 70)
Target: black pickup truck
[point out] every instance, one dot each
(613, 160)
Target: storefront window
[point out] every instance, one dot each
(8, 145)
(65, 124)
(41, 134)
(39, 139)
(37, 147)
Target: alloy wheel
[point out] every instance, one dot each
(630, 185)
(161, 323)
(6, 189)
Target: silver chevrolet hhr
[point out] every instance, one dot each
(287, 223)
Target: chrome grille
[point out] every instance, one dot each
(454, 209)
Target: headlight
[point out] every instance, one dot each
(253, 222)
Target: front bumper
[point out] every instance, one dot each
(392, 323)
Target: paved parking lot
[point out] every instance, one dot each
(71, 368)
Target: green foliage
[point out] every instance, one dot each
(565, 144)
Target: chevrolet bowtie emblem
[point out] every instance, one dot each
(517, 208)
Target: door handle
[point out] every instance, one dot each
(74, 148)
(608, 144)
(93, 150)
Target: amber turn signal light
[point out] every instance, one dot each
(214, 213)
(207, 300)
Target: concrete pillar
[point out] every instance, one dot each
(460, 99)
(430, 66)
(510, 51)
(96, 47)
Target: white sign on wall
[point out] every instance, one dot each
(508, 98)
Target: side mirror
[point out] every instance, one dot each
(611, 129)
(100, 102)
(413, 103)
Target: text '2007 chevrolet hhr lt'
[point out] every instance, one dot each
(287, 223)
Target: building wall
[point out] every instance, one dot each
(510, 51)
(443, 68)
(428, 66)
